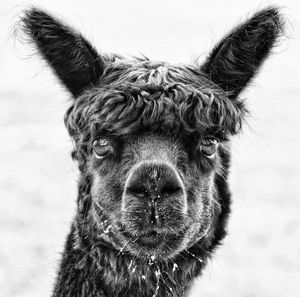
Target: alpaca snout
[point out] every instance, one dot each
(152, 192)
(154, 181)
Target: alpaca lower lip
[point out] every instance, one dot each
(159, 244)
(151, 238)
(147, 236)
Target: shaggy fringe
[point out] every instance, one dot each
(142, 95)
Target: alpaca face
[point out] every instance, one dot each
(157, 192)
(151, 139)
(152, 144)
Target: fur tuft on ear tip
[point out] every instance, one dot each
(270, 25)
(74, 60)
(238, 56)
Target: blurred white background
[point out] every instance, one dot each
(261, 255)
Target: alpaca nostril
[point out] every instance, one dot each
(138, 191)
(170, 189)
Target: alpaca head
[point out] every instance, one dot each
(151, 139)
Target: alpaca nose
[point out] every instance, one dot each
(153, 181)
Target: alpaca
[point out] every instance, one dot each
(152, 145)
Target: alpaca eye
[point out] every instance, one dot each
(102, 147)
(208, 146)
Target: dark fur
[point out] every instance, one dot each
(155, 116)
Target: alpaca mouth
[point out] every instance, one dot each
(153, 241)
(148, 238)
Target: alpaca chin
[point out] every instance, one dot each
(161, 245)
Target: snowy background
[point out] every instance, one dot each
(261, 255)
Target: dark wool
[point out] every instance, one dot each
(165, 132)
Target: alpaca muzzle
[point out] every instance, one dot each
(152, 192)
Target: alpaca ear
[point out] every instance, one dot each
(73, 59)
(237, 57)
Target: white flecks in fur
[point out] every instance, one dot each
(130, 264)
(175, 267)
(133, 270)
(107, 230)
(123, 248)
(200, 260)
(151, 260)
(158, 275)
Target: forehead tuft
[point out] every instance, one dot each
(142, 95)
(148, 72)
